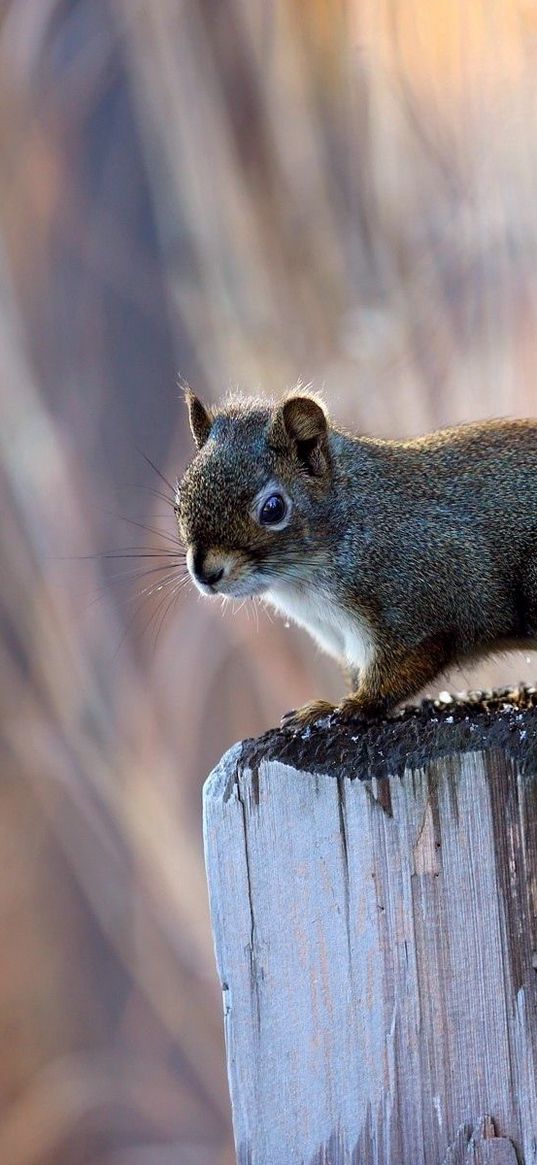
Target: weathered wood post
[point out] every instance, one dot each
(374, 904)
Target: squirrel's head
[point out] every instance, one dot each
(251, 505)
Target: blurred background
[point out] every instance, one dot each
(245, 192)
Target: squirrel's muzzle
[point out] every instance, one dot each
(222, 572)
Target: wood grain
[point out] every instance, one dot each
(375, 940)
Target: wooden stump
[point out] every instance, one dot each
(374, 905)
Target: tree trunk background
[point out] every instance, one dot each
(374, 906)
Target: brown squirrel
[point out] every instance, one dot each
(399, 557)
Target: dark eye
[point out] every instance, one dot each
(273, 510)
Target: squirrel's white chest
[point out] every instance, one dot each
(343, 636)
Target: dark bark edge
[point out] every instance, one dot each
(505, 720)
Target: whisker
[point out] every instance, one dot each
(145, 596)
(154, 517)
(142, 573)
(128, 576)
(154, 468)
(154, 615)
(157, 493)
(153, 530)
(113, 554)
(172, 599)
(154, 587)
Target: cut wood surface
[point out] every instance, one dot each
(374, 906)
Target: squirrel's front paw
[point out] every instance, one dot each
(353, 709)
(308, 714)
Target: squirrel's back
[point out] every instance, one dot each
(485, 471)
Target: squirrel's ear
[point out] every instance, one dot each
(200, 419)
(306, 426)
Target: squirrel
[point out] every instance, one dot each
(400, 558)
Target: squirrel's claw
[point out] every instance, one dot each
(308, 714)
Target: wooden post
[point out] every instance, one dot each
(374, 906)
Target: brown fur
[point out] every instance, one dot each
(424, 552)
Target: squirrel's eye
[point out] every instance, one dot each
(273, 510)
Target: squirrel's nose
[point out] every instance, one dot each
(213, 576)
(204, 573)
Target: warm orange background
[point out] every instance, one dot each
(247, 193)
